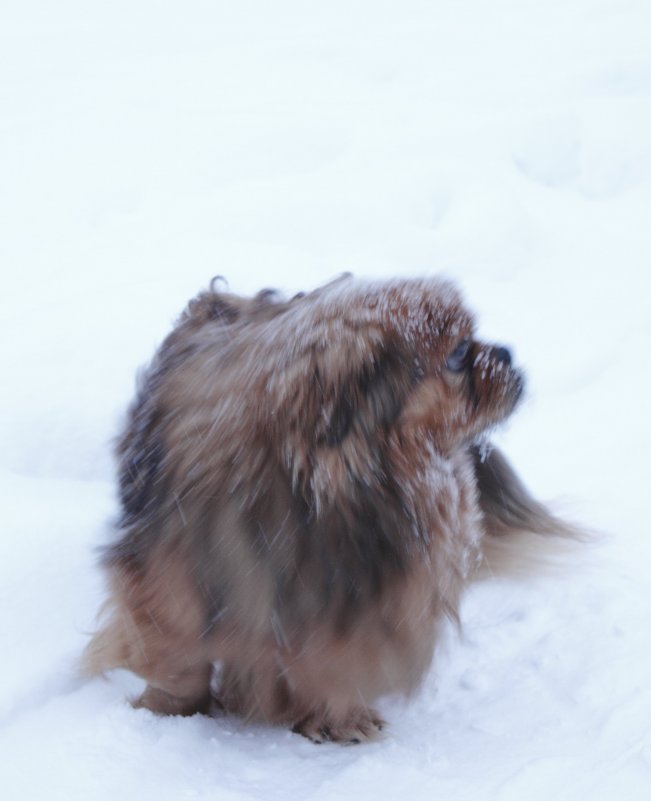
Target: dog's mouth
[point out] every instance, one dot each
(519, 386)
(496, 387)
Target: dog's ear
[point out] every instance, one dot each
(367, 399)
(506, 504)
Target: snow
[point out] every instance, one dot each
(147, 146)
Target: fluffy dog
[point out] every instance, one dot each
(303, 500)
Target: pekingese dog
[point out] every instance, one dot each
(305, 491)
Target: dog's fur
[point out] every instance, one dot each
(304, 499)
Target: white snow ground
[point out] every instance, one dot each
(146, 146)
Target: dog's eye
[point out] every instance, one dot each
(458, 358)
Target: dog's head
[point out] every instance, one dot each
(330, 381)
(400, 356)
(463, 385)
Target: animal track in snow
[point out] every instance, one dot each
(553, 153)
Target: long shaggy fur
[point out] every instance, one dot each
(303, 501)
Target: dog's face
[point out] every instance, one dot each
(472, 387)
(402, 358)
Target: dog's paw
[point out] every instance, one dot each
(163, 703)
(361, 725)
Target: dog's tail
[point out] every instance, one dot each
(109, 646)
(521, 533)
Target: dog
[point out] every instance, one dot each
(306, 488)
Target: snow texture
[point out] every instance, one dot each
(147, 146)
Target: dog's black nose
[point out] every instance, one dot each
(502, 355)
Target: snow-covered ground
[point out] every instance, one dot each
(147, 145)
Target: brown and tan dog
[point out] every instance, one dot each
(304, 499)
